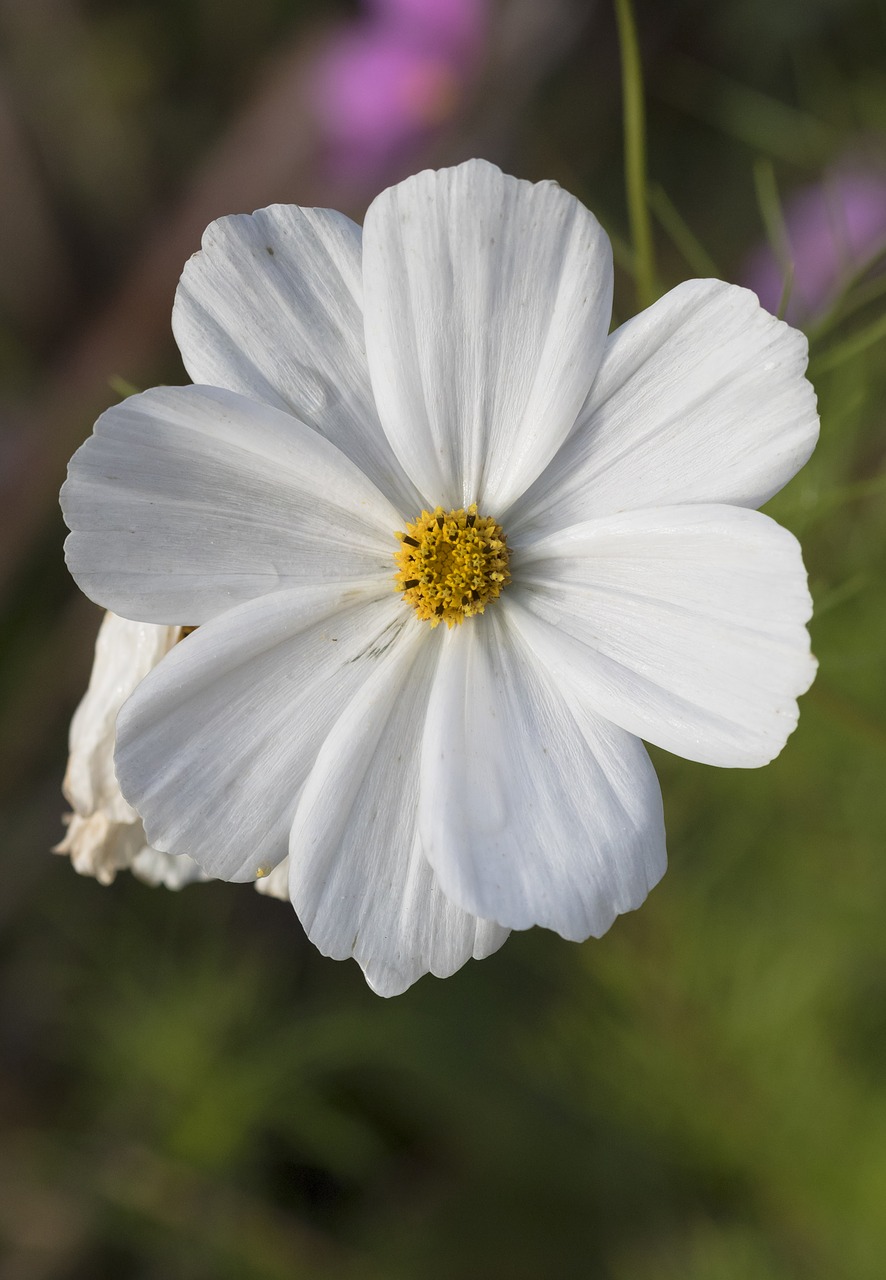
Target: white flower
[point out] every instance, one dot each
(438, 786)
(105, 834)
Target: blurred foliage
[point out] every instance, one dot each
(188, 1091)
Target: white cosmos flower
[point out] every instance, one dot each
(438, 786)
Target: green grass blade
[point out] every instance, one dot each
(635, 153)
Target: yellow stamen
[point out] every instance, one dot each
(451, 564)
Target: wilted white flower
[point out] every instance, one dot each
(105, 834)
(582, 504)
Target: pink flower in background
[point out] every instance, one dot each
(458, 25)
(835, 229)
(384, 83)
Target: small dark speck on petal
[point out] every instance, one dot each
(270, 251)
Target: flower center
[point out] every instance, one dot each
(451, 564)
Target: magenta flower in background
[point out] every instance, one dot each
(458, 25)
(835, 228)
(385, 82)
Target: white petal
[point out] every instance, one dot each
(272, 308)
(684, 625)
(214, 746)
(154, 867)
(358, 880)
(487, 302)
(188, 500)
(105, 834)
(532, 810)
(276, 883)
(700, 398)
(100, 846)
(124, 654)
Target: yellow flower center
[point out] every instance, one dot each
(451, 564)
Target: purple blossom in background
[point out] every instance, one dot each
(385, 82)
(835, 229)
(458, 25)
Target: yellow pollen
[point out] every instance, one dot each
(451, 564)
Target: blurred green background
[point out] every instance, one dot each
(188, 1091)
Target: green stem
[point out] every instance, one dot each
(681, 234)
(773, 217)
(850, 347)
(635, 152)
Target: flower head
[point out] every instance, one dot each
(436, 786)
